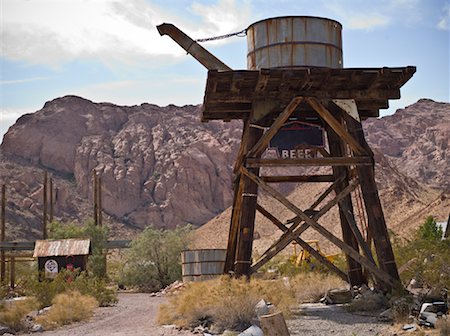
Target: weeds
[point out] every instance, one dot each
(13, 314)
(68, 308)
(311, 286)
(225, 302)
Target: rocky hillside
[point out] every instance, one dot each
(161, 166)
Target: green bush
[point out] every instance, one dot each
(427, 255)
(45, 291)
(154, 259)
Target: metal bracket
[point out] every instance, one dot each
(349, 106)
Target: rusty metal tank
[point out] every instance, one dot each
(294, 41)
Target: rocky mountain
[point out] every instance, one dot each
(159, 165)
(162, 166)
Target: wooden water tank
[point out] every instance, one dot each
(202, 264)
(294, 41)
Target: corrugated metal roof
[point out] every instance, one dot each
(61, 247)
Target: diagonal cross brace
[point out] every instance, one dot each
(380, 274)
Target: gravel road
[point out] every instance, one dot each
(135, 315)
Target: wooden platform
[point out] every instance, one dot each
(232, 94)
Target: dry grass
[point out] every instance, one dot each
(311, 287)
(225, 302)
(67, 308)
(443, 325)
(13, 313)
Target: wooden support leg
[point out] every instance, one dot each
(336, 147)
(375, 217)
(12, 272)
(247, 214)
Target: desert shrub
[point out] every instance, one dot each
(67, 308)
(443, 325)
(312, 286)
(427, 256)
(225, 302)
(12, 314)
(45, 291)
(154, 259)
(98, 236)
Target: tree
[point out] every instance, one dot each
(98, 235)
(154, 259)
(430, 231)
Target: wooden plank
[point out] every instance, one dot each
(263, 79)
(383, 276)
(44, 210)
(261, 145)
(274, 324)
(328, 161)
(375, 217)
(298, 178)
(2, 235)
(247, 213)
(242, 148)
(234, 225)
(302, 243)
(338, 148)
(335, 125)
(296, 229)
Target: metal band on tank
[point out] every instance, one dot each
(295, 43)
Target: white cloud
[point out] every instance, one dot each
(24, 80)
(53, 32)
(444, 22)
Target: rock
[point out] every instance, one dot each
(6, 330)
(409, 327)
(252, 331)
(386, 316)
(336, 296)
(37, 328)
(428, 319)
(261, 308)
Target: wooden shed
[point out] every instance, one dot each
(55, 255)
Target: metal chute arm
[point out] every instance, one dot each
(202, 55)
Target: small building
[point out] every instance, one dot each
(55, 255)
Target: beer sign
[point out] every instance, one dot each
(298, 139)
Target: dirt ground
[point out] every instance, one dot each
(135, 315)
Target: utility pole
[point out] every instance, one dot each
(2, 235)
(44, 216)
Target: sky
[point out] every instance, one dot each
(110, 50)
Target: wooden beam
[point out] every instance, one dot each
(261, 145)
(383, 276)
(234, 226)
(2, 235)
(12, 272)
(303, 244)
(247, 213)
(328, 161)
(375, 217)
(242, 148)
(298, 178)
(100, 209)
(296, 229)
(44, 210)
(335, 125)
(95, 197)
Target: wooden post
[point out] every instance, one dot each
(99, 192)
(50, 219)
(337, 149)
(44, 202)
(375, 217)
(12, 272)
(94, 173)
(2, 235)
(248, 212)
(274, 325)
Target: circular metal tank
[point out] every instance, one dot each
(202, 264)
(294, 41)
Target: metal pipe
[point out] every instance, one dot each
(208, 60)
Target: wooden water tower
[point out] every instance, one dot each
(296, 97)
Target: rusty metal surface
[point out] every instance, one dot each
(294, 41)
(62, 247)
(202, 55)
(233, 94)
